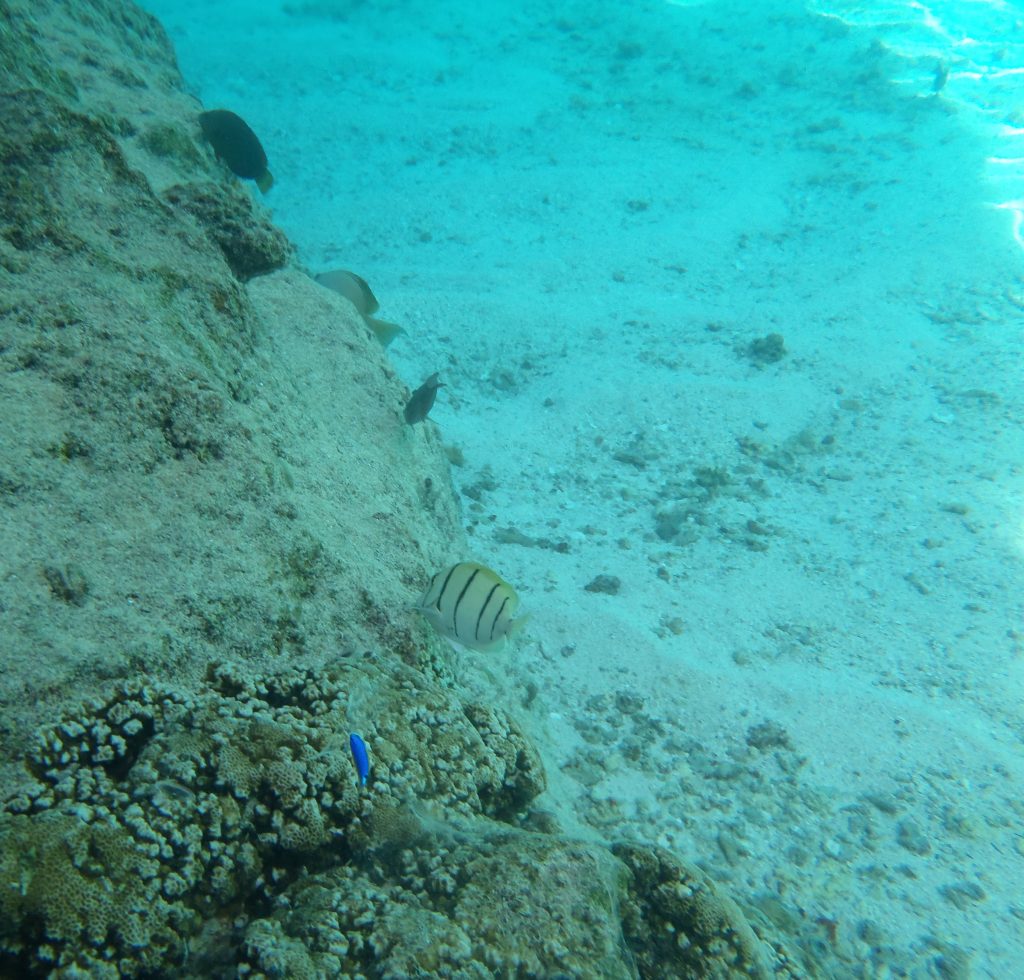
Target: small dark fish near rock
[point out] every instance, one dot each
(422, 401)
(237, 145)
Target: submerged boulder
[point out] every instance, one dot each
(214, 524)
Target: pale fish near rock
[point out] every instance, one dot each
(473, 606)
(357, 291)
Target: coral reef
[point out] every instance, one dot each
(464, 903)
(153, 809)
(191, 834)
(679, 924)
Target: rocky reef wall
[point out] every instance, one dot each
(203, 451)
(214, 519)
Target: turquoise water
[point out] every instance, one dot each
(589, 219)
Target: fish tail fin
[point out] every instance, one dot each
(265, 181)
(507, 638)
(384, 332)
(518, 625)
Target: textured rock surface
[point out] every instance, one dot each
(204, 462)
(668, 899)
(194, 463)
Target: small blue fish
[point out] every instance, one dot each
(361, 757)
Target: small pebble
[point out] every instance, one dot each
(608, 584)
(910, 837)
(963, 894)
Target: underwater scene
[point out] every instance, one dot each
(522, 489)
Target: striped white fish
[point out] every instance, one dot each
(472, 605)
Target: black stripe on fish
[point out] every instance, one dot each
(483, 609)
(458, 602)
(447, 579)
(497, 616)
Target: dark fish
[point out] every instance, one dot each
(237, 145)
(422, 401)
(360, 756)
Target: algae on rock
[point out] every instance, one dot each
(206, 462)
(176, 471)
